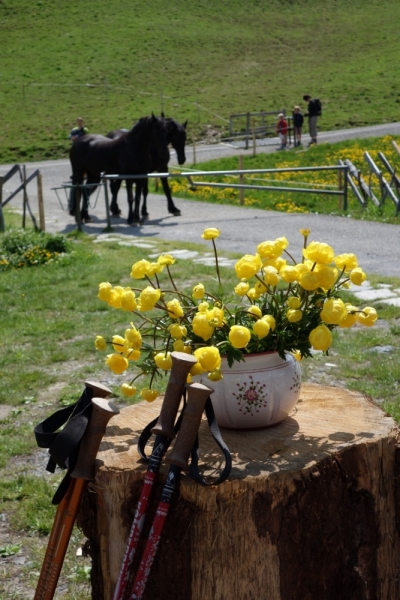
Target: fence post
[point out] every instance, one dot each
(2, 228)
(340, 187)
(107, 202)
(247, 130)
(241, 179)
(24, 200)
(345, 190)
(253, 124)
(194, 148)
(40, 202)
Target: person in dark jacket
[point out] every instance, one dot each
(298, 121)
(313, 112)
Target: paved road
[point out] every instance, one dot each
(376, 244)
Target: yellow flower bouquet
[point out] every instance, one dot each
(277, 305)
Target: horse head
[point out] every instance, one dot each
(159, 141)
(176, 136)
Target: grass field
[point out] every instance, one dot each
(112, 62)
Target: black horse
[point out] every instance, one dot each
(128, 154)
(176, 136)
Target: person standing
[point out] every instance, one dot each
(78, 131)
(282, 129)
(314, 110)
(298, 121)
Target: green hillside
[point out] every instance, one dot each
(115, 61)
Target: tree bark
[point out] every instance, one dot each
(310, 511)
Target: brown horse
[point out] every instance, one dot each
(129, 154)
(176, 136)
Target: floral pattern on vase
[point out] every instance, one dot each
(257, 393)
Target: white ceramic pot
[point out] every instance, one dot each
(257, 393)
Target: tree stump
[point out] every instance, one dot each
(310, 511)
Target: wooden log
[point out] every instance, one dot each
(310, 511)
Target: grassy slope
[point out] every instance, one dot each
(229, 57)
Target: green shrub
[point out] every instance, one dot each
(27, 248)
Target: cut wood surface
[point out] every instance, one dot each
(309, 511)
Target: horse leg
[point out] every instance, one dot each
(170, 203)
(133, 216)
(115, 185)
(86, 193)
(145, 191)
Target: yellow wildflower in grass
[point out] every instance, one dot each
(114, 299)
(134, 337)
(104, 291)
(351, 318)
(118, 343)
(166, 259)
(175, 308)
(346, 262)
(333, 311)
(128, 300)
(242, 288)
(357, 276)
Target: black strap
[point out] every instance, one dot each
(194, 471)
(194, 465)
(63, 445)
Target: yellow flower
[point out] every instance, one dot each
(104, 291)
(100, 343)
(346, 261)
(175, 309)
(255, 311)
(208, 357)
(239, 336)
(215, 375)
(309, 280)
(131, 353)
(201, 326)
(163, 360)
(278, 262)
(297, 355)
(128, 300)
(351, 318)
(203, 306)
(118, 343)
(178, 346)
(134, 337)
(288, 273)
(149, 395)
(252, 294)
(166, 259)
(305, 232)
(320, 338)
(210, 234)
(114, 299)
(367, 316)
(261, 328)
(333, 311)
(294, 315)
(247, 266)
(327, 276)
(294, 302)
(242, 288)
(301, 268)
(271, 276)
(155, 267)
(148, 298)
(216, 316)
(177, 331)
(357, 276)
(117, 363)
(319, 252)
(198, 291)
(270, 320)
(128, 390)
(140, 269)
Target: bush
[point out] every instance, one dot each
(27, 248)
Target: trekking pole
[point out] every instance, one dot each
(164, 430)
(197, 397)
(68, 508)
